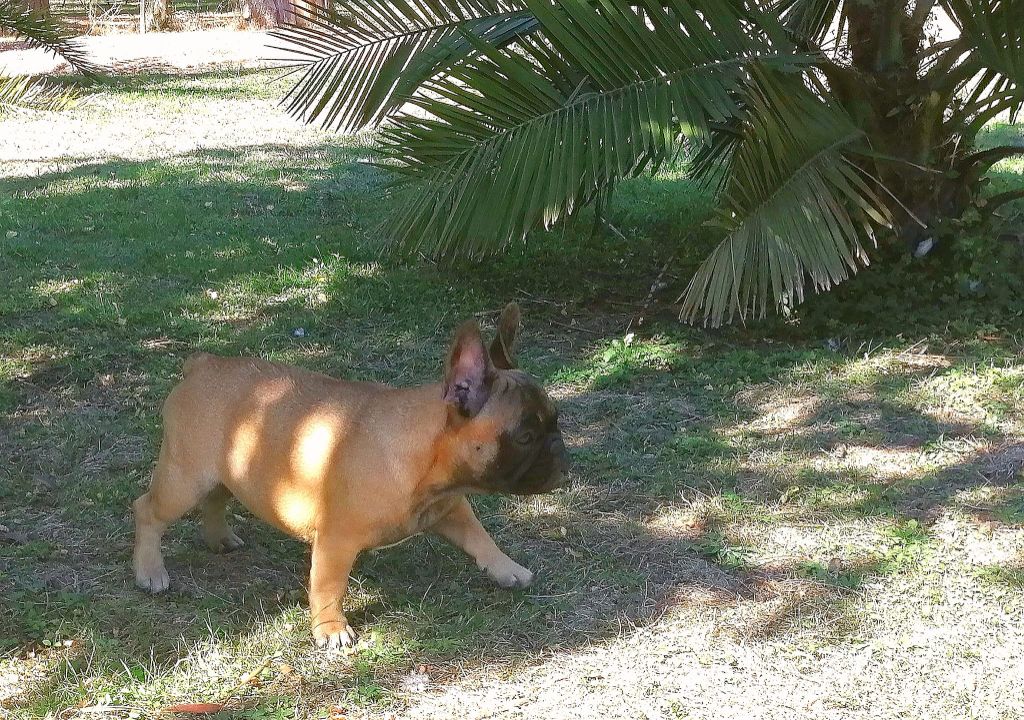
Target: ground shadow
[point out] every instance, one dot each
(603, 560)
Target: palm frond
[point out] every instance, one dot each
(43, 32)
(27, 93)
(364, 59)
(709, 165)
(811, 20)
(515, 138)
(987, 61)
(793, 207)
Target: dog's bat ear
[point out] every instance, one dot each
(503, 349)
(467, 374)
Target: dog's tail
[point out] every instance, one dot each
(194, 361)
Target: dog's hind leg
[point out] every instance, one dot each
(172, 493)
(216, 532)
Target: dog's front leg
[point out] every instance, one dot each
(328, 582)
(462, 528)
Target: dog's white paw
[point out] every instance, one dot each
(510, 574)
(335, 636)
(154, 580)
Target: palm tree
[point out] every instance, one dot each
(162, 14)
(823, 126)
(40, 30)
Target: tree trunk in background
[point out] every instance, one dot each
(886, 91)
(40, 7)
(307, 8)
(161, 13)
(273, 13)
(267, 13)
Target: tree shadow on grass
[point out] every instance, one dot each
(603, 560)
(157, 75)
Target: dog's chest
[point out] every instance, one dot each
(419, 517)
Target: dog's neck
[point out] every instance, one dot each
(445, 460)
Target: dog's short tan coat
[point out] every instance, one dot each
(349, 466)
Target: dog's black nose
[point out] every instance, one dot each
(556, 446)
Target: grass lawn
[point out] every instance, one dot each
(818, 519)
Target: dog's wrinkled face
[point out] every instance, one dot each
(525, 453)
(531, 456)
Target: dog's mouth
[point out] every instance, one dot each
(559, 477)
(538, 486)
(557, 480)
(542, 473)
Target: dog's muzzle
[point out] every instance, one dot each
(560, 476)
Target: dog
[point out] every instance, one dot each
(349, 466)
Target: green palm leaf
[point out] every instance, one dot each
(20, 93)
(794, 208)
(710, 165)
(363, 62)
(994, 30)
(26, 93)
(515, 138)
(986, 64)
(811, 20)
(41, 31)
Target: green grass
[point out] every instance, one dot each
(741, 461)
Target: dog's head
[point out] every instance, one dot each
(509, 425)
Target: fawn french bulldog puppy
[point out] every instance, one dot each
(348, 466)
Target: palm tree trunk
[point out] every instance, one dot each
(163, 12)
(267, 13)
(273, 13)
(307, 8)
(885, 39)
(39, 7)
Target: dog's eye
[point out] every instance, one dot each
(526, 437)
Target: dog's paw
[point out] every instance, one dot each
(232, 542)
(225, 543)
(154, 580)
(510, 574)
(334, 635)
